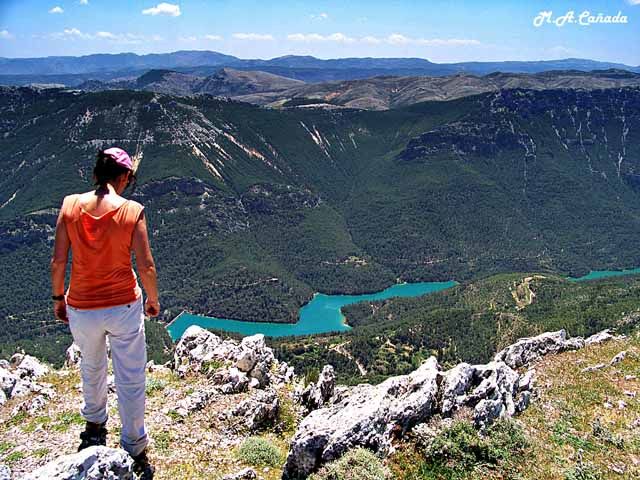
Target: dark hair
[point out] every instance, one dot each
(107, 170)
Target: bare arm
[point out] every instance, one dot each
(59, 267)
(146, 266)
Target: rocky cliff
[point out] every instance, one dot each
(210, 408)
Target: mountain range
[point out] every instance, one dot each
(377, 93)
(72, 71)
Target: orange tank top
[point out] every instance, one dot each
(101, 271)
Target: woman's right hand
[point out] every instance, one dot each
(151, 307)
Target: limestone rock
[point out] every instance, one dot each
(73, 356)
(369, 417)
(7, 381)
(94, 463)
(244, 474)
(526, 350)
(31, 367)
(5, 472)
(198, 346)
(600, 337)
(618, 358)
(195, 401)
(318, 393)
(455, 386)
(259, 410)
(486, 411)
(3, 397)
(231, 380)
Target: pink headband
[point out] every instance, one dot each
(120, 156)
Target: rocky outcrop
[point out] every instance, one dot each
(94, 463)
(249, 363)
(18, 378)
(244, 474)
(527, 350)
(371, 416)
(319, 393)
(259, 411)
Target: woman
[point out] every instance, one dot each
(104, 299)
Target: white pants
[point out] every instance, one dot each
(124, 325)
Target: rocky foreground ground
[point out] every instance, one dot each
(219, 395)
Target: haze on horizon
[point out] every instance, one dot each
(438, 30)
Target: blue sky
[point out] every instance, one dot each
(438, 30)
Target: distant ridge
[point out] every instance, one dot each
(376, 93)
(306, 68)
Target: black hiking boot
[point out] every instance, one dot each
(142, 467)
(95, 434)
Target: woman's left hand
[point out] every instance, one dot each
(60, 310)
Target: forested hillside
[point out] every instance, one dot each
(469, 322)
(252, 210)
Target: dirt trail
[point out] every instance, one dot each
(522, 294)
(343, 351)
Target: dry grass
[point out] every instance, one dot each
(202, 446)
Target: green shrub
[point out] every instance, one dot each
(460, 449)
(358, 464)
(582, 471)
(154, 385)
(260, 451)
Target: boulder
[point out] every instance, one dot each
(3, 397)
(195, 401)
(93, 463)
(319, 393)
(7, 381)
(369, 416)
(31, 367)
(73, 356)
(260, 410)
(618, 358)
(244, 474)
(527, 350)
(198, 346)
(231, 380)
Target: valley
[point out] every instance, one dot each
(252, 210)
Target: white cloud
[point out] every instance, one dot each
(395, 39)
(163, 8)
(5, 35)
(157, 38)
(84, 2)
(320, 16)
(371, 40)
(253, 36)
(562, 51)
(72, 33)
(107, 35)
(447, 42)
(212, 37)
(119, 38)
(188, 39)
(398, 39)
(56, 9)
(316, 37)
(633, 2)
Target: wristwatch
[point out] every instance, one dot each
(57, 298)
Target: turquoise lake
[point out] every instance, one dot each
(597, 274)
(320, 315)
